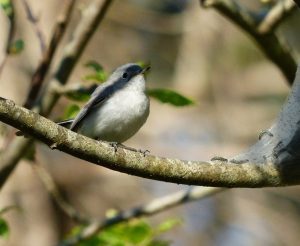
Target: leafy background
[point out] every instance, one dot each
(195, 52)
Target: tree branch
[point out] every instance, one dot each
(155, 206)
(272, 161)
(52, 188)
(218, 173)
(276, 15)
(96, 225)
(297, 2)
(91, 18)
(40, 73)
(11, 16)
(278, 52)
(34, 21)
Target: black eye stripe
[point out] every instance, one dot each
(125, 75)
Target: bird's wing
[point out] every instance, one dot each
(98, 97)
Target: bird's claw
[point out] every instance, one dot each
(144, 152)
(115, 145)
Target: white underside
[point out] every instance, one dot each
(119, 117)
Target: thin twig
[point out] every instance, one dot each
(75, 89)
(276, 15)
(273, 47)
(155, 206)
(85, 29)
(40, 73)
(35, 23)
(10, 35)
(52, 188)
(297, 2)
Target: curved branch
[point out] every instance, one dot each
(276, 15)
(272, 161)
(277, 51)
(155, 206)
(202, 173)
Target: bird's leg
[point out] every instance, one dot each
(115, 145)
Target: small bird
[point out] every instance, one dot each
(117, 109)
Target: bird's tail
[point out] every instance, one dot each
(65, 123)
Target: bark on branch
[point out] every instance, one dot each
(272, 161)
(91, 18)
(273, 47)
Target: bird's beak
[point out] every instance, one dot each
(145, 69)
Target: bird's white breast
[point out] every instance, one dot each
(120, 116)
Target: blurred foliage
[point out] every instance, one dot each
(169, 96)
(244, 53)
(80, 95)
(7, 7)
(136, 232)
(4, 229)
(98, 75)
(30, 153)
(71, 111)
(17, 47)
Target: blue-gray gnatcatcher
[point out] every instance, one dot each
(117, 108)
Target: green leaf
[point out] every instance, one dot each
(138, 232)
(159, 243)
(169, 96)
(99, 75)
(4, 229)
(94, 65)
(169, 224)
(7, 7)
(71, 111)
(78, 96)
(144, 64)
(17, 47)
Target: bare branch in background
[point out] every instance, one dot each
(155, 206)
(40, 73)
(10, 35)
(272, 161)
(52, 188)
(91, 18)
(297, 2)
(35, 23)
(278, 52)
(276, 15)
(94, 226)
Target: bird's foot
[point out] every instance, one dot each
(115, 145)
(144, 152)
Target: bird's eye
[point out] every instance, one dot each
(125, 75)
